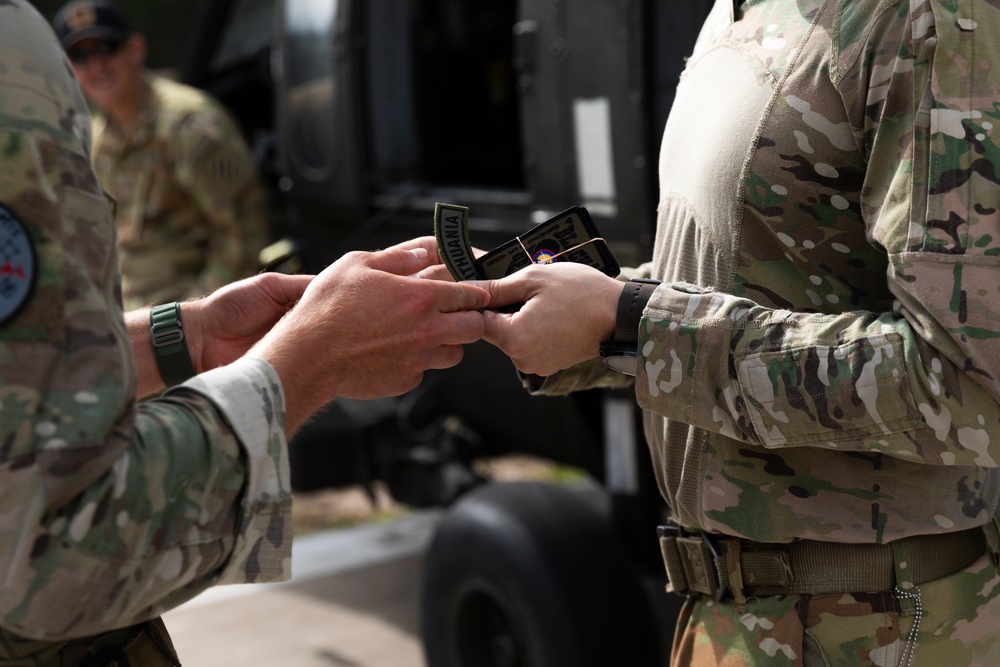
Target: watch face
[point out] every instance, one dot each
(622, 363)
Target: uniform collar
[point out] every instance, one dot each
(142, 125)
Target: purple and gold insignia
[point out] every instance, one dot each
(544, 256)
(570, 236)
(17, 264)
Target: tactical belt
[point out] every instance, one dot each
(717, 565)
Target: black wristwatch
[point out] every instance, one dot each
(620, 353)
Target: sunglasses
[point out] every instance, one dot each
(103, 49)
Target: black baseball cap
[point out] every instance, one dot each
(84, 19)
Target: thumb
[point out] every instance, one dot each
(497, 329)
(401, 261)
(285, 289)
(505, 291)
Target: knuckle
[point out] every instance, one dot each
(354, 256)
(424, 336)
(416, 299)
(478, 327)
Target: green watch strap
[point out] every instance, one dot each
(167, 335)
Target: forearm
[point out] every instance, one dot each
(198, 335)
(851, 382)
(184, 492)
(907, 362)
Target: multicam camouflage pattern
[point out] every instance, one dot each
(110, 511)
(191, 212)
(840, 361)
(957, 627)
(823, 360)
(830, 242)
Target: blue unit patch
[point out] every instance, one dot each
(17, 264)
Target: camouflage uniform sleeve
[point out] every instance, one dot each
(919, 382)
(248, 396)
(181, 494)
(111, 511)
(215, 167)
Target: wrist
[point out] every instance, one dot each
(169, 340)
(609, 312)
(194, 336)
(620, 351)
(306, 385)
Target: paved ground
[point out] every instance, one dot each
(353, 602)
(354, 597)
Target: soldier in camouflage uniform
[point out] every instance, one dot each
(191, 212)
(112, 510)
(819, 368)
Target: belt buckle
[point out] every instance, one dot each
(697, 554)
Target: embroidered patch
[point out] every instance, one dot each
(570, 236)
(545, 255)
(17, 264)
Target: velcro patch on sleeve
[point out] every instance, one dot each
(17, 264)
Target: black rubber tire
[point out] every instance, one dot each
(531, 575)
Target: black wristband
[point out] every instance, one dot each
(632, 301)
(167, 335)
(620, 352)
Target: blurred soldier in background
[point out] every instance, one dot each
(191, 212)
(113, 511)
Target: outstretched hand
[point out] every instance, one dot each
(438, 271)
(568, 310)
(369, 327)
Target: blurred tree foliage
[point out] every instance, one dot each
(169, 25)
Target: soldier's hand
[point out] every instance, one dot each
(231, 319)
(219, 328)
(568, 310)
(438, 271)
(369, 327)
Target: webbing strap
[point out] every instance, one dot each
(815, 567)
(825, 567)
(812, 567)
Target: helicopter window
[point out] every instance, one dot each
(311, 85)
(442, 90)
